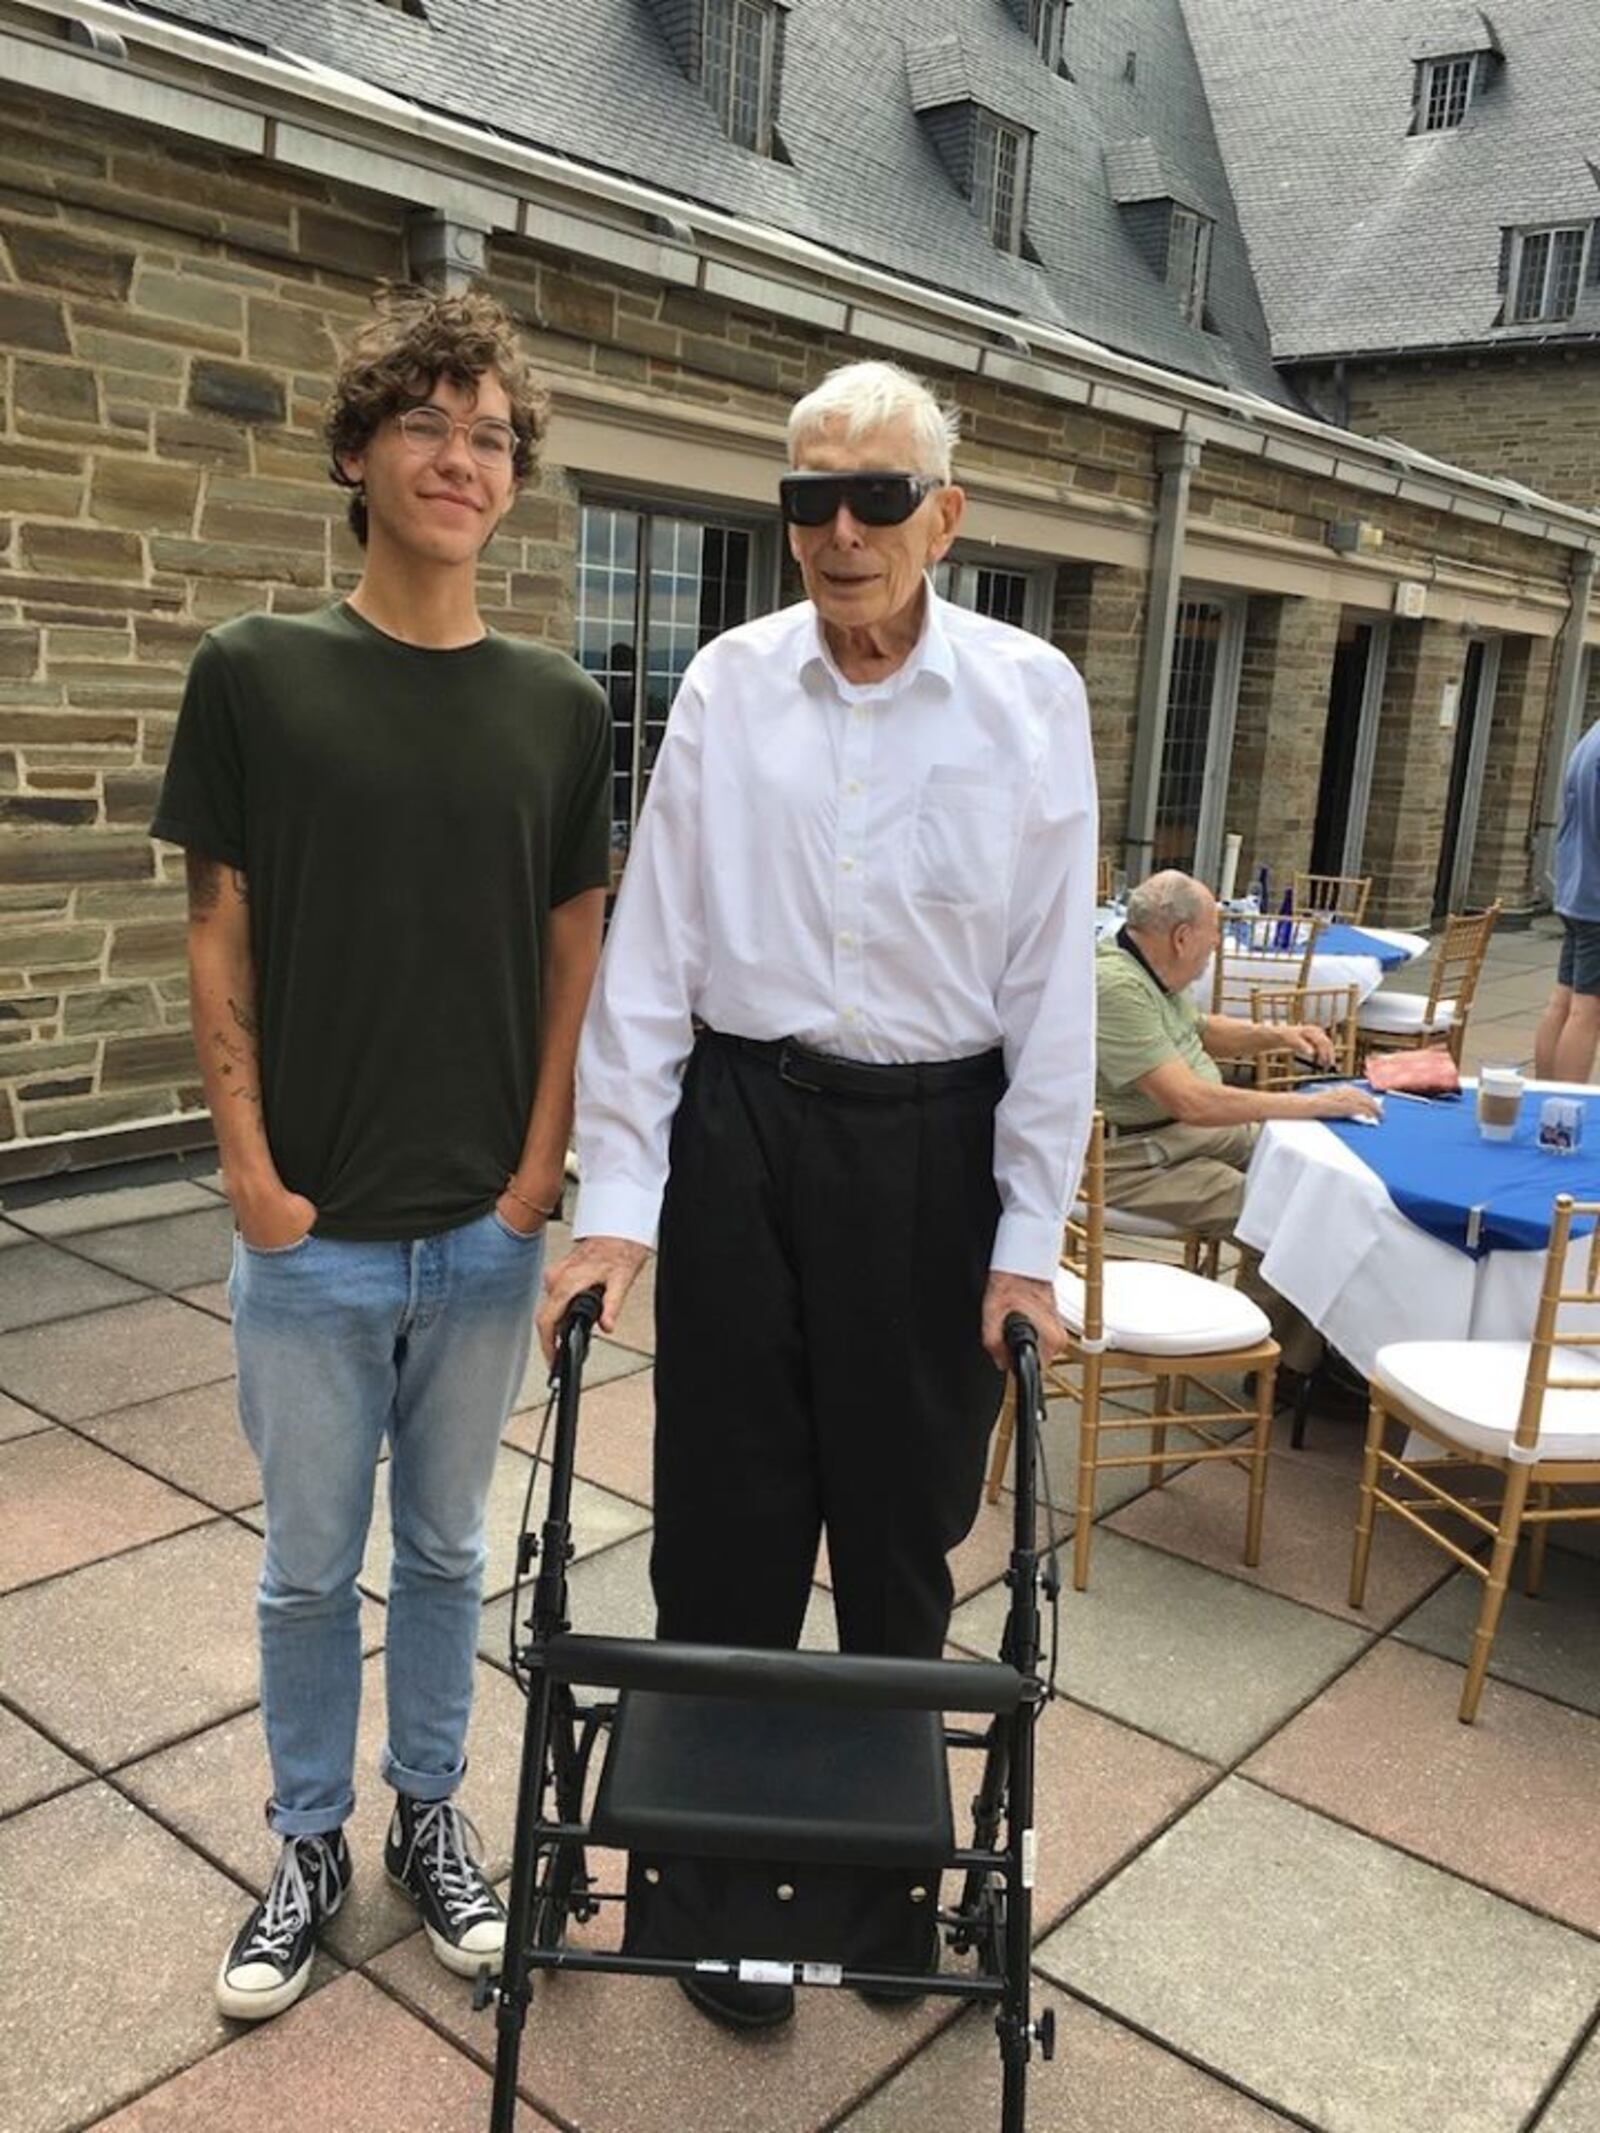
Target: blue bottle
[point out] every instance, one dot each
(1283, 936)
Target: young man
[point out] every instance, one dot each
(396, 827)
(842, 1047)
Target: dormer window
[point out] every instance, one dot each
(1544, 272)
(986, 155)
(1045, 21)
(1189, 261)
(1444, 90)
(738, 61)
(999, 178)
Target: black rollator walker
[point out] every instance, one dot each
(719, 1762)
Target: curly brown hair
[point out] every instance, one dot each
(397, 358)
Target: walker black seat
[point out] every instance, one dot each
(725, 1779)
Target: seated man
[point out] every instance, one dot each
(1178, 1138)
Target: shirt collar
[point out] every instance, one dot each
(1129, 946)
(930, 656)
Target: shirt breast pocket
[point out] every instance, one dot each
(959, 855)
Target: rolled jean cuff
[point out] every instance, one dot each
(419, 1784)
(309, 1821)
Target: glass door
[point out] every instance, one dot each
(652, 589)
(1197, 746)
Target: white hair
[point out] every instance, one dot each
(866, 396)
(1166, 900)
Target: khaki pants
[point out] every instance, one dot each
(1194, 1176)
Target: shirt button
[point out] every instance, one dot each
(853, 788)
(847, 940)
(847, 866)
(849, 1014)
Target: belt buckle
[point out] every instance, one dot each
(787, 1071)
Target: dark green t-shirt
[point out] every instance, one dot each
(406, 820)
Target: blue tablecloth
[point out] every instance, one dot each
(1351, 940)
(1481, 1196)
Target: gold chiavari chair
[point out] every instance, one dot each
(1337, 899)
(1143, 1325)
(1253, 952)
(1103, 880)
(1406, 1021)
(1330, 1007)
(1528, 1411)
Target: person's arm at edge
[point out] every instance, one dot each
(637, 1035)
(571, 952)
(223, 1021)
(1046, 1004)
(1192, 1100)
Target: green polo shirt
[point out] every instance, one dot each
(1139, 1027)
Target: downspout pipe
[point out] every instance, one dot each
(1176, 460)
(1566, 708)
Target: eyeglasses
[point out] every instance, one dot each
(874, 499)
(491, 442)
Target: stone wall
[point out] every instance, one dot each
(1533, 416)
(1502, 853)
(1411, 774)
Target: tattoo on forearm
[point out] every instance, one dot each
(204, 877)
(244, 1016)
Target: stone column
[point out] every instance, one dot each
(1279, 730)
(1503, 849)
(1098, 622)
(1411, 776)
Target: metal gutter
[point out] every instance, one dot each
(310, 117)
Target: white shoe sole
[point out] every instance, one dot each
(465, 1962)
(260, 2006)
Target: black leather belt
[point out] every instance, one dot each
(825, 1075)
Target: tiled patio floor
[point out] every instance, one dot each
(1279, 1885)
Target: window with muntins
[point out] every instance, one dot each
(1045, 19)
(1547, 273)
(999, 175)
(1189, 261)
(737, 39)
(1444, 92)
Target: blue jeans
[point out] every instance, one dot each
(340, 1345)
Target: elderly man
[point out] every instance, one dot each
(1178, 1137)
(841, 1045)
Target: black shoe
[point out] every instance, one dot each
(432, 1853)
(891, 1995)
(740, 2006)
(268, 1965)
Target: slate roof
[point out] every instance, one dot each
(1364, 237)
(596, 80)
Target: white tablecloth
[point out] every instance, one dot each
(1327, 972)
(1334, 1243)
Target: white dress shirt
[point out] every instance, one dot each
(887, 871)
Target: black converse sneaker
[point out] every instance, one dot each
(432, 1853)
(266, 1969)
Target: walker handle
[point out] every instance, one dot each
(584, 1310)
(1020, 1333)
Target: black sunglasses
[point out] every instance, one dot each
(874, 499)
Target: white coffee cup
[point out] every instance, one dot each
(1499, 1102)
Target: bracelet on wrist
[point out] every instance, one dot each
(550, 1214)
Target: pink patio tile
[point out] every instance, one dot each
(1307, 1536)
(63, 1503)
(1508, 1801)
(191, 1438)
(1103, 2079)
(348, 2058)
(616, 1435)
(630, 2055)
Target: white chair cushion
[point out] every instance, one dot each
(1404, 1012)
(1472, 1390)
(1122, 1223)
(1153, 1309)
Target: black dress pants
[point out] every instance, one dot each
(822, 1264)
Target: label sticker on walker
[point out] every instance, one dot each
(766, 1973)
(1030, 1848)
(821, 1973)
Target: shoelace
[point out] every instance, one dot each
(447, 1844)
(286, 1908)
